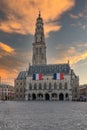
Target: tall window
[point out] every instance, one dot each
(30, 86)
(55, 86)
(35, 86)
(16, 89)
(50, 86)
(45, 86)
(40, 87)
(65, 86)
(20, 89)
(36, 50)
(40, 50)
(60, 86)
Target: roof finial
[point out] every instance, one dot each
(68, 62)
(39, 13)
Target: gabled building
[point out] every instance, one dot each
(6, 92)
(45, 81)
(83, 90)
(20, 84)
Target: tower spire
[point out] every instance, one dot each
(39, 13)
(39, 45)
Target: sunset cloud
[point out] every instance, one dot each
(11, 63)
(4, 76)
(21, 19)
(6, 48)
(74, 53)
(65, 26)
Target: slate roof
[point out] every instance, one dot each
(49, 69)
(22, 75)
(45, 70)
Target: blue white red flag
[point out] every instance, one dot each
(37, 76)
(59, 76)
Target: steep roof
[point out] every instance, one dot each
(22, 75)
(49, 69)
(45, 70)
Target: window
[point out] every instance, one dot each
(35, 86)
(60, 86)
(30, 86)
(40, 50)
(55, 86)
(16, 96)
(21, 83)
(20, 96)
(20, 89)
(40, 87)
(65, 86)
(16, 89)
(75, 89)
(16, 83)
(36, 50)
(50, 85)
(42, 56)
(45, 86)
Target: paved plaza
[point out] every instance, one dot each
(43, 115)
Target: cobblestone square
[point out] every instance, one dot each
(43, 115)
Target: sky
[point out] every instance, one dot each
(65, 28)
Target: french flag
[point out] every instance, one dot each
(59, 76)
(37, 76)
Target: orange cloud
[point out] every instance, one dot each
(6, 48)
(21, 19)
(4, 76)
(11, 63)
(74, 53)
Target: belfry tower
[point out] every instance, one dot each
(39, 45)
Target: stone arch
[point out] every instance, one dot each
(54, 95)
(40, 96)
(33, 96)
(61, 96)
(47, 96)
(67, 96)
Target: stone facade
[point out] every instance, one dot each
(6, 92)
(75, 86)
(47, 88)
(20, 84)
(83, 90)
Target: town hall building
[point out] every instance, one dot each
(45, 81)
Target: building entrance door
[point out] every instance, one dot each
(33, 96)
(61, 97)
(47, 96)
